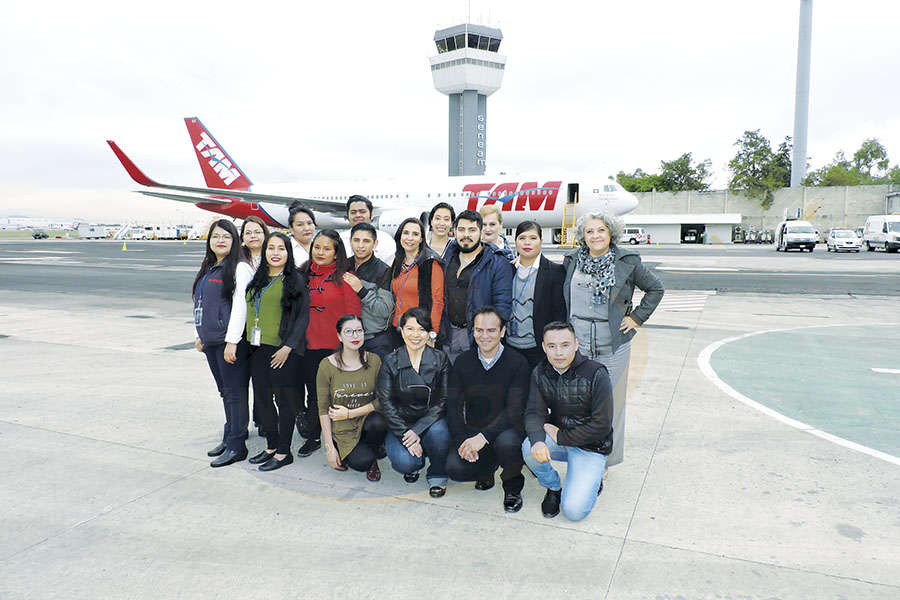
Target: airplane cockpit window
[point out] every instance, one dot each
(609, 188)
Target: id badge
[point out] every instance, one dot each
(198, 316)
(255, 336)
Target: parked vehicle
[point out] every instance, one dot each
(690, 237)
(795, 234)
(40, 235)
(635, 235)
(842, 239)
(882, 231)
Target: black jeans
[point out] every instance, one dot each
(506, 451)
(533, 355)
(308, 425)
(364, 454)
(284, 384)
(381, 344)
(232, 381)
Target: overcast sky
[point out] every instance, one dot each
(343, 89)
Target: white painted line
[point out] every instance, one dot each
(712, 269)
(706, 369)
(892, 371)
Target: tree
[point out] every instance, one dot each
(638, 181)
(757, 170)
(679, 174)
(839, 173)
(871, 154)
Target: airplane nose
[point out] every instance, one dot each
(632, 202)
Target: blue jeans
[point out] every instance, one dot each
(435, 443)
(583, 478)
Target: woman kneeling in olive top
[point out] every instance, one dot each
(352, 433)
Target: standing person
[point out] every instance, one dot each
(440, 222)
(360, 210)
(302, 223)
(353, 432)
(568, 418)
(417, 278)
(371, 280)
(219, 316)
(329, 298)
(492, 230)
(476, 275)
(485, 403)
(253, 235)
(600, 281)
(412, 392)
(277, 317)
(537, 294)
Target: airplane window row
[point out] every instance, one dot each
(459, 41)
(532, 192)
(469, 61)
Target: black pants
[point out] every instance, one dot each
(506, 451)
(232, 381)
(381, 344)
(533, 355)
(284, 385)
(308, 425)
(364, 454)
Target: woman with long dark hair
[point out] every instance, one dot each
(330, 297)
(277, 317)
(219, 317)
(352, 432)
(254, 234)
(417, 277)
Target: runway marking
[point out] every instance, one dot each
(706, 368)
(891, 371)
(680, 301)
(699, 269)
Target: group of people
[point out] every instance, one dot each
(454, 347)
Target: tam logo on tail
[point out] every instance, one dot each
(219, 170)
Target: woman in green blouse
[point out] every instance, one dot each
(352, 432)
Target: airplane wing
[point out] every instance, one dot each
(324, 206)
(183, 198)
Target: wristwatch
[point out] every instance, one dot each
(432, 337)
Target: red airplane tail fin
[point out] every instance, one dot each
(219, 170)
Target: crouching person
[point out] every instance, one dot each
(578, 428)
(485, 405)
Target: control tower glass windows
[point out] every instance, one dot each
(483, 42)
(451, 44)
(460, 41)
(494, 45)
(441, 46)
(473, 40)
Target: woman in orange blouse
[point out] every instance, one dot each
(417, 276)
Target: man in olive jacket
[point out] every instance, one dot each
(578, 429)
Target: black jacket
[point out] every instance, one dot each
(295, 318)
(549, 303)
(411, 400)
(580, 404)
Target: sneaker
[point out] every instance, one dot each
(550, 505)
(308, 447)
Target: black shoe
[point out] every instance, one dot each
(512, 501)
(261, 458)
(218, 449)
(380, 452)
(436, 491)
(550, 505)
(308, 447)
(228, 457)
(273, 463)
(600, 489)
(485, 484)
(411, 477)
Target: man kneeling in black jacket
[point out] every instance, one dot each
(485, 403)
(578, 428)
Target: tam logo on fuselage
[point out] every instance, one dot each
(207, 148)
(529, 196)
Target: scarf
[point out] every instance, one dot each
(602, 272)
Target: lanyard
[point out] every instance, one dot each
(203, 279)
(259, 298)
(516, 296)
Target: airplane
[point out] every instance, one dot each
(230, 192)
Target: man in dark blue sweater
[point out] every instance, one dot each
(485, 405)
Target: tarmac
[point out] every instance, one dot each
(761, 462)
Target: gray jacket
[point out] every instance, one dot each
(630, 272)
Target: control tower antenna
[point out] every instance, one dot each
(467, 69)
(801, 100)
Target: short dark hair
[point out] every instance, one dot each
(358, 198)
(468, 215)
(488, 310)
(439, 206)
(528, 226)
(419, 314)
(297, 208)
(557, 326)
(364, 227)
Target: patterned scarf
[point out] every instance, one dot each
(601, 268)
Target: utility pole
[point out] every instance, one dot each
(801, 100)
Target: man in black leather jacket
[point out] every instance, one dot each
(578, 428)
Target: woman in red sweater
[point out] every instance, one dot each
(329, 298)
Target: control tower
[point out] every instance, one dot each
(468, 69)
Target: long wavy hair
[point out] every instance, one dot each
(400, 256)
(340, 256)
(229, 263)
(363, 355)
(293, 283)
(253, 219)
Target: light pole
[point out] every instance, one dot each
(801, 100)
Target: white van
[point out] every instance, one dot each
(795, 234)
(882, 231)
(635, 235)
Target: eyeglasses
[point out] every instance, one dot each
(221, 236)
(353, 332)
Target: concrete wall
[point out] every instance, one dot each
(718, 234)
(839, 206)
